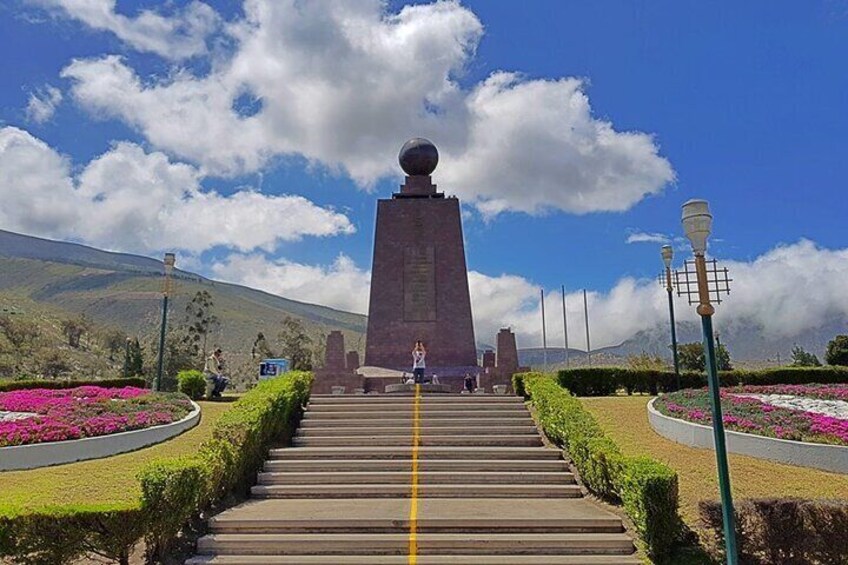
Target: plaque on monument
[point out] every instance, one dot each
(419, 284)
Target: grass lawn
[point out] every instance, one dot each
(110, 481)
(625, 418)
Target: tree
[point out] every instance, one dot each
(837, 351)
(261, 349)
(21, 334)
(691, 357)
(55, 364)
(295, 344)
(199, 323)
(135, 364)
(75, 329)
(115, 341)
(647, 362)
(803, 358)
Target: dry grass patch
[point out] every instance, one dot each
(625, 419)
(110, 481)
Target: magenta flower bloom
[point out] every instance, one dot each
(86, 411)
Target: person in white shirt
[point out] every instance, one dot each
(418, 363)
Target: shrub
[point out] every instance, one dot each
(784, 531)
(647, 488)
(63, 535)
(55, 385)
(837, 351)
(192, 383)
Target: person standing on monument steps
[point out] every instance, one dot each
(418, 364)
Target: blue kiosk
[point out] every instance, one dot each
(270, 368)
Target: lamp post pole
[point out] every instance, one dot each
(697, 223)
(544, 331)
(667, 256)
(169, 261)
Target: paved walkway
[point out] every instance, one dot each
(428, 480)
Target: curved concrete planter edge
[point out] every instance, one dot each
(20, 457)
(833, 458)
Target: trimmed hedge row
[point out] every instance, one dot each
(8, 386)
(175, 491)
(781, 531)
(606, 381)
(646, 488)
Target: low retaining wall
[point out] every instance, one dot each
(832, 458)
(57, 452)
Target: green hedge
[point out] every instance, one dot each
(646, 488)
(175, 491)
(605, 381)
(781, 531)
(7, 386)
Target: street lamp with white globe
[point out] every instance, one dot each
(667, 256)
(697, 224)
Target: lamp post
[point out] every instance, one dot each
(697, 223)
(667, 255)
(169, 261)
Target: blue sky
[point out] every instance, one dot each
(744, 102)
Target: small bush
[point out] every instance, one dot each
(192, 384)
(784, 531)
(647, 488)
(56, 385)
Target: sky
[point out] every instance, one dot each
(254, 138)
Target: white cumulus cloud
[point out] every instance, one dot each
(42, 104)
(131, 200)
(343, 84)
(178, 35)
(340, 285)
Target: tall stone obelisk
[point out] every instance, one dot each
(419, 281)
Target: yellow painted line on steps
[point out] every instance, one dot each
(413, 501)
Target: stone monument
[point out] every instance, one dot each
(419, 281)
(336, 372)
(505, 363)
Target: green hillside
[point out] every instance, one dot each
(57, 280)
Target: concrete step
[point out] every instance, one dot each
(387, 465)
(425, 440)
(466, 490)
(391, 399)
(424, 407)
(428, 544)
(404, 478)
(453, 559)
(424, 452)
(425, 423)
(387, 515)
(428, 414)
(408, 430)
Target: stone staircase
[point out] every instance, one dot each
(485, 490)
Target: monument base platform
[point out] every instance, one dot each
(331, 382)
(426, 388)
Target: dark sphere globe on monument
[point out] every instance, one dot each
(418, 157)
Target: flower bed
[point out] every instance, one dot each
(43, 415)
(809, 413)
